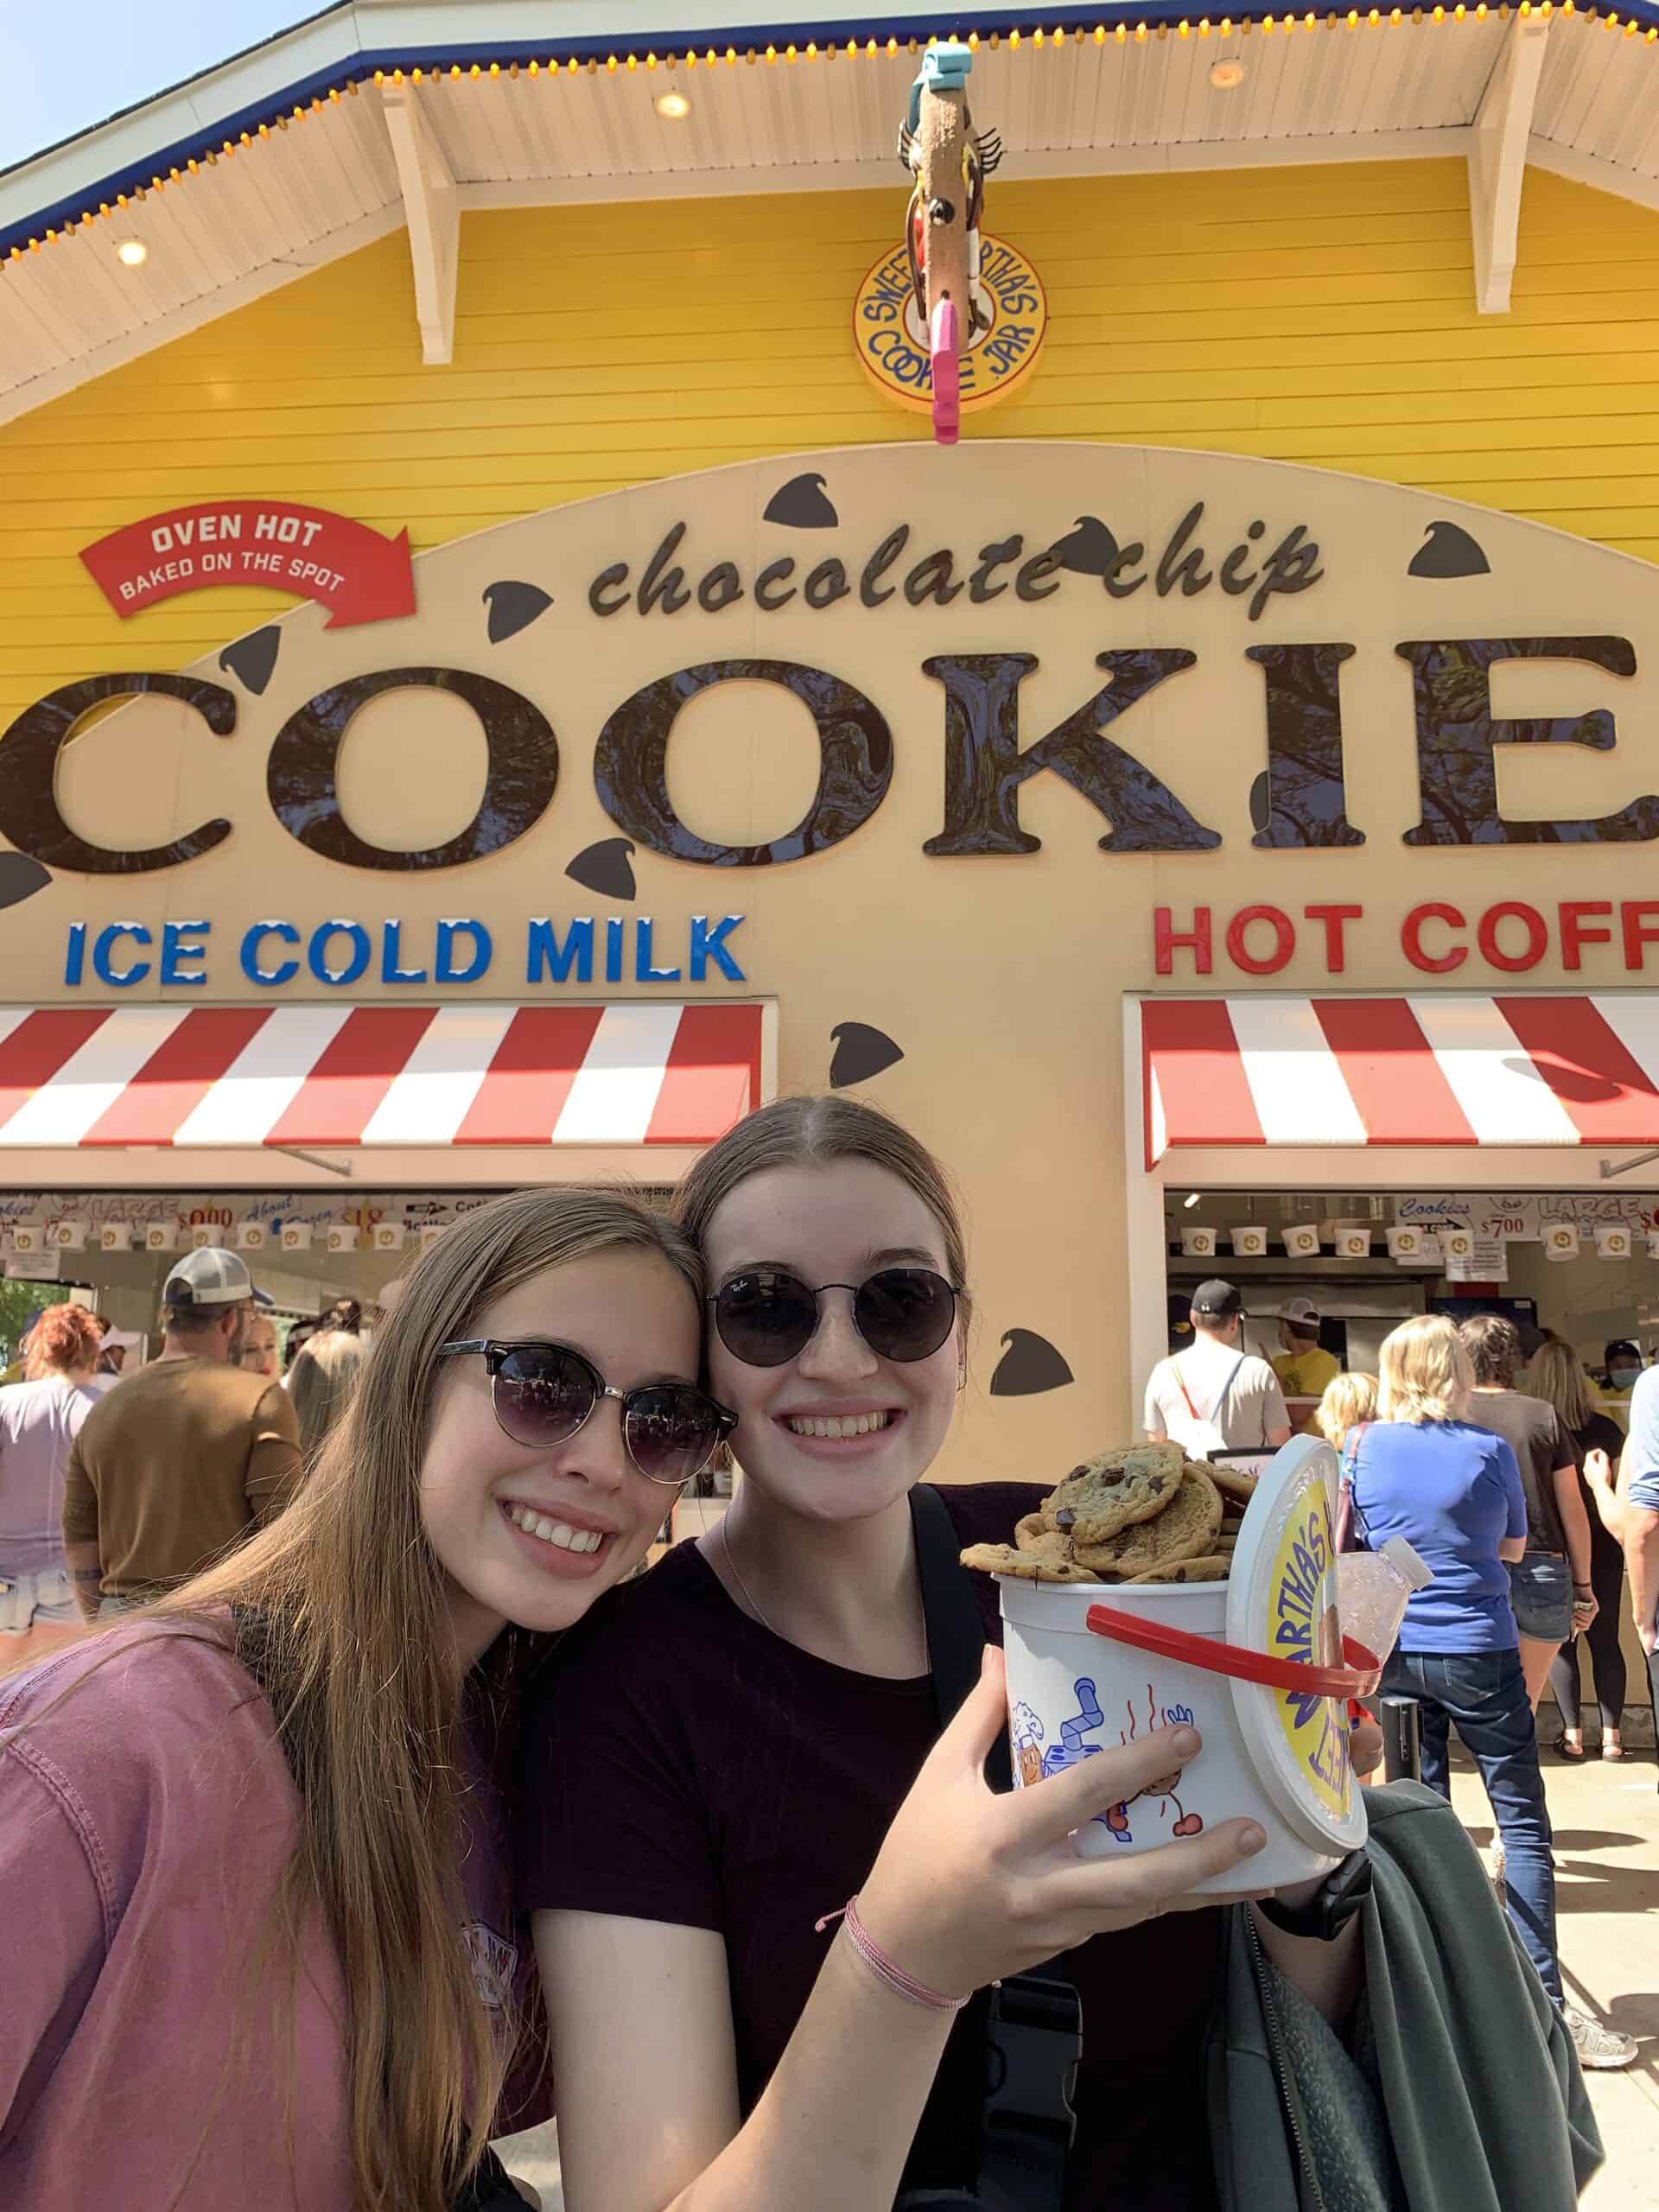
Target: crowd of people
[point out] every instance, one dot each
(203, 1444)
(1524, 1499)
(336, 1849)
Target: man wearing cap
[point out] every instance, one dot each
(1215, 1396)
(1622, 1361)
(1304, 1367)
(187, 1457)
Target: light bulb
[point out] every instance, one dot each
(673, 106)
(1189, 1200)
(132, 253)
(1226, 76)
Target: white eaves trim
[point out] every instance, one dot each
(331, 43)
(1587, 169)
(191, 110)
(133, 345)
(1450, 144)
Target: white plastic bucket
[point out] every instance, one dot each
(1269, 1754)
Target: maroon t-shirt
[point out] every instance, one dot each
(689, 1766)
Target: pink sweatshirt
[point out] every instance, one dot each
(143, 1826)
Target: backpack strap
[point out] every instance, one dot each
(1032, 2023)
(955, 1634)
(1226, 1393)
(1181, 1384)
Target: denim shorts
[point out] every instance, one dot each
(26, 1598)
(1540, 1590)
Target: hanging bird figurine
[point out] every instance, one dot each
(951, 161)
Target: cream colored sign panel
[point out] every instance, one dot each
(945, 749)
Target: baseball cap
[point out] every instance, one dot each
(209, 1277)
(1622, 1346)
(1302, 1311)
(1219, 1298)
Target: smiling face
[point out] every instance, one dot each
(533, 1536)
(836, 1433)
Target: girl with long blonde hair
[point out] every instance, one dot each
(320, 1383)
(259, 1943)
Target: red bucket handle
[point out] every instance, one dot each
(1358, 1679)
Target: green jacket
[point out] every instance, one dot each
(1484, 2100)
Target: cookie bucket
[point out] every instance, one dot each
(1254, 1663)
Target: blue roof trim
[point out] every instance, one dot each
(139, 177)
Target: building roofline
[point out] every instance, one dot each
(348, 43)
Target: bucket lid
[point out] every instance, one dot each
(1282, 1598)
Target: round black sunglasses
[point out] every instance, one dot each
(769, 1316)
(541, 1394)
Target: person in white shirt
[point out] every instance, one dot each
(39, 1423)
(1216, 1396)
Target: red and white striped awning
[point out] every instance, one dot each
(1439, 1070)
(643, 1073)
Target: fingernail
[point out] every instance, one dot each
(1252, 1840)
(1185, 1743)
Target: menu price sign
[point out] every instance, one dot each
(1471, 1257)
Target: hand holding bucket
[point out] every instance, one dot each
(1258, 1662)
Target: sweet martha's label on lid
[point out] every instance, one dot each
(1282, 1599)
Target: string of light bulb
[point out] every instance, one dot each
(1639, 22)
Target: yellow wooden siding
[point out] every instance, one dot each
(1319, 315)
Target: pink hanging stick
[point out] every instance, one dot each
(947, 387)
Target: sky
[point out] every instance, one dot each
(64, 67)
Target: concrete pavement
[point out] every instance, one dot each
(1606, 1821)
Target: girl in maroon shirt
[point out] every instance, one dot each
(729, 1741)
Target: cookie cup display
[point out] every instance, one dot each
(1159, 1653)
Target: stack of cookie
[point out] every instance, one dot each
(1143, 1513)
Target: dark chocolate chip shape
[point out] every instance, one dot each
(513, 607)
(861, 1053)
(605, 867)
(1449, 551)
(803, 503)
(251, 659)
(1028, 1366)
(1087, 551)
(20, 876)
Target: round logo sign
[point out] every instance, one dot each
(1303, 1625)
(892, 339)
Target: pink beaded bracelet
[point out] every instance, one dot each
(887, 1971)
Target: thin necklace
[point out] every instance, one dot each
(748, 1596)
(737, 1577)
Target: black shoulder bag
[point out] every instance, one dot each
(1033, 2022)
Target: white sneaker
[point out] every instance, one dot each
(1600, 2049)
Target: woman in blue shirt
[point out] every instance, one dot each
(1453, 1491)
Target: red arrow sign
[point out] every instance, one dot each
(345, 565)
